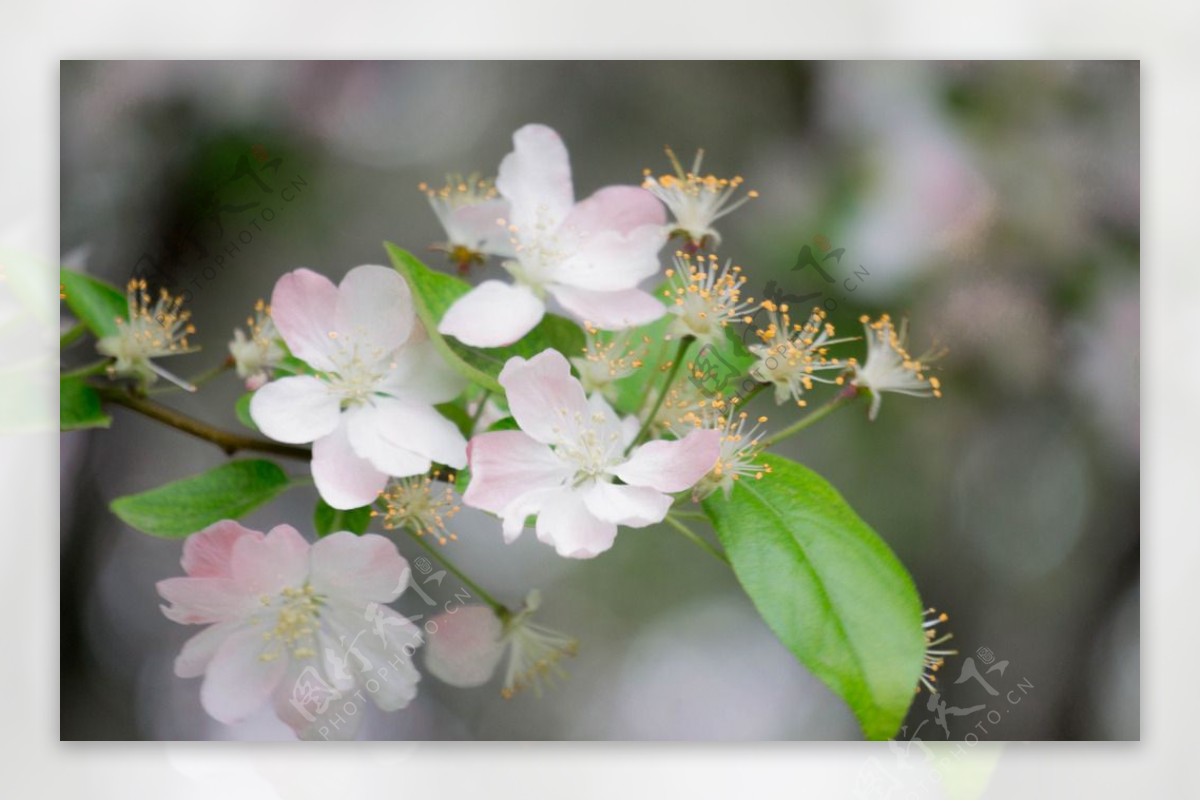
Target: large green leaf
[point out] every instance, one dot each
(829, 588)
(182, 507)
(97, 304)
(327, 520)
(434, 292)
(79, 406)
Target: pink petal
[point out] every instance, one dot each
(295, 409)
(544, 398)
(204, 600)
(198, 651)
(535, 178)
(616, 208)
(357, 570)
(463, 646)
(672, 465)
(609, 261)
(523, 507)
(401, 439)
(344, 479)
(266, 566)
(609, 310)
(209, 553)
(374, 309)
(566, 523)
(492, 315)
(626, 505)
(237, 682)
(419, 373)
(506, 465)
(304, 308)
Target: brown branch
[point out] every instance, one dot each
(225, 440)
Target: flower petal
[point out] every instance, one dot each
(609, 261)
(209, 553)
(374, 308)
(507, 464)
(266, 566)
(378, 644)
(237, 682)
(535, 178)
(304, 309)
(310, 703)
(463, 646)
(345, 479)
(544, 398)
(672, 465)
(357, 570)
(420, 374)
(481, 227)
(492, 315)
(616, 208)
(198, 651)
(391, 432)
(609, 310)
(295, 409)
(626, 505)
(566, 523)
(203, 600)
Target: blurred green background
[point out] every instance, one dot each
(994, 204)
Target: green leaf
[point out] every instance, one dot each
(79, 406)
(183, 507)
(504, 424)
(242, 409)
(97, 304)
(829, 588)
(434, 292)
(327, 520)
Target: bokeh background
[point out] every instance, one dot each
(994, 204)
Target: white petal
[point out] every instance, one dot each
(420, 374)
(544, 398)
(303, 308)
(198, 651)
(492, 315)
(626, 505)
(672, 465)
(374, 308)
(378, 645)
(295, 409)
(344, 479)
(357, 569)
(566, 523)
(464, 646)
(609, 310)
(237, 682)
(609, 261)
(535, 178)
(391, 433)
(506, 465)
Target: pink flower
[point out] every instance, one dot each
(590, 256)
(304, 627)
(560, 466)
(369, 410)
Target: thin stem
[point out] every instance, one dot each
(662, 395)
(483, 399)
(95, 368)
(227, 441)
(71, 334)
(841, 399)
(500, 609)
(207, 375)
(696, 538)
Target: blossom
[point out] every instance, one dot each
(705, 297)
(562, 462)
(302, 626)
(889, 367)
(590, 256)
(935, 656)
(467, 643)
(792, 356)
(369, 408)
(148, 333)
(411, 503)
(256, 355)
(696, 201)
(738, 457)
(472, 216)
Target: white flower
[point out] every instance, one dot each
(705, 297)
(472, 217)
(696, 201)
(302, 627)
(889, 367)
(466, 645)
(369, 409)
(148, 333)
(562, 464)
(256, 355)
(590, 256)
(792, 356)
